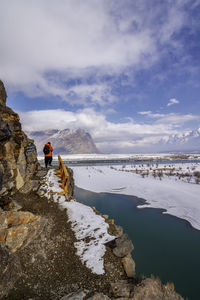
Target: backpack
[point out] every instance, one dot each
(46, 149)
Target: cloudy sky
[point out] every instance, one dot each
(126, 71)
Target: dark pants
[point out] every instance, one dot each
(48, 160)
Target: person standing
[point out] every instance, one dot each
(48, 149)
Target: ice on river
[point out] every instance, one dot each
(178, 194)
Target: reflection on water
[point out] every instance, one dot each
(165, 246)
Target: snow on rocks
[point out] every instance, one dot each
(91, 232)
(90, 229)
(51, 187)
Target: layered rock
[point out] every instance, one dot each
(18, 155)
(18, 228)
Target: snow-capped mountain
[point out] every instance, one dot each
(187, 141)
(67, 141)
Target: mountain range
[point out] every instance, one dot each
(67, 141)
(188, 141)
(78, 141)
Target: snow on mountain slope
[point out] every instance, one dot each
(187, 141)
(65, 141)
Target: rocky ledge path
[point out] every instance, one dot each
(47, 266)
(50, 267)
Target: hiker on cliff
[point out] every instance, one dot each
(48, 149)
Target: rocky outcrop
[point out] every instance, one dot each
(18, 228)
(147, 289)
(18, 156)
(3, 94)
(151, 288)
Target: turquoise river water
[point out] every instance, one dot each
(165, 246)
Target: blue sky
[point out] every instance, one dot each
(126, 71)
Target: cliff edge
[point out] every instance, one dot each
(18, 156)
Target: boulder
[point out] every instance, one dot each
(115, 230)
(123, 246)
(151, 288)
(129, 265)
(18, 228)
(121, 289)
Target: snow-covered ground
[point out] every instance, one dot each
(90, 229)
(171, 187)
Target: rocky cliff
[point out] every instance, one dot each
(65, 141)
(18, 156)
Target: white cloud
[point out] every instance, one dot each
(73, 37)
(64, 36)
(97, 94)
(150, 114)
(172, 102)
(144, 113)
(126, 136)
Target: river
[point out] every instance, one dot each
(165, 246)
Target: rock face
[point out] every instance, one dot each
(18, 155)
(18, 228)
(65, 141)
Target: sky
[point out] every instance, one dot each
(125, 71)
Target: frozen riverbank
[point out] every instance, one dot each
(70, 158)
(179, 197)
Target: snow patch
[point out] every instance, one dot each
(91, 233)
(90, 229)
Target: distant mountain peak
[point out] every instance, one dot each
(65, 141)
(186, 141)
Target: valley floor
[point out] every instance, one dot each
(172, 187)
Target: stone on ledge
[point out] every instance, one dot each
(115, 230)
(129, 265)
(151, 288)
(123, 246)
(121, 289)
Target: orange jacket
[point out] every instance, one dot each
(50, 152)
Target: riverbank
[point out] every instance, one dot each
(162, 186)
(165, 246)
